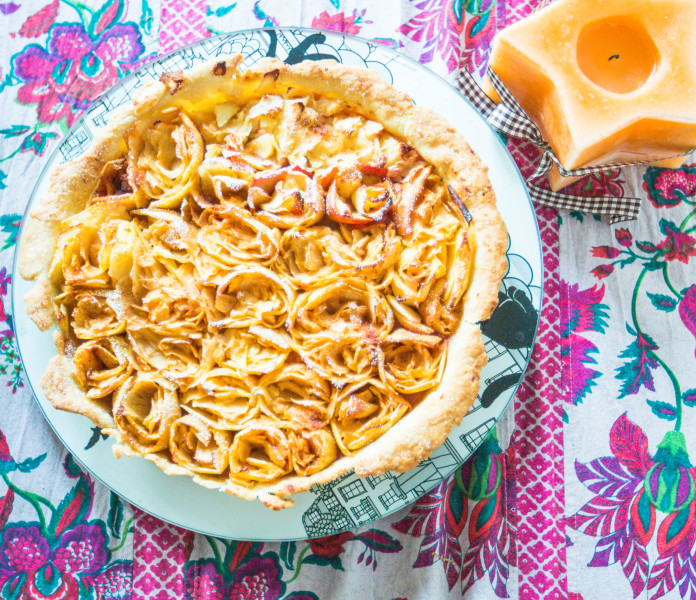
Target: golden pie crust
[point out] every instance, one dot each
(265, 278)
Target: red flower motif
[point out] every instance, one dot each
(624, 237)
(339, 22)
(332, 545)
(677, 245)
(668, 187)
(605, 251)
(606, 183)
(258, 579)
(602, 271)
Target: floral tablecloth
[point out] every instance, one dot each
(586, 489)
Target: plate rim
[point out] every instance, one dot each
(50, 160)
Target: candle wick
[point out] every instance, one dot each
(613, 56)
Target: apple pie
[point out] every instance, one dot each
(262, 278)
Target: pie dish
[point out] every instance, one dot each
(264, 278)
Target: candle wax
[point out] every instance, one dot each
(605, 80)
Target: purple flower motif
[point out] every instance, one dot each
(74, 67)
(620, 514)
(258, 579)
(203, 582)
(81, 550)
(26, 557)
(115, 583)
(23, 550)
(7, 8)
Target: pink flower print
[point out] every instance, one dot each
(27, 562)
(602, 271)
(203, 582)
(81, 550)
(677, 245)
(687, 310)
(73, 68)
(620, 513)
(115, 583)
(23, 550)
(624, 237)
(257, 579)
(605, 183)
(605, 252)
(581, 311)
(339, 22)
(668, 187)
(440, 25)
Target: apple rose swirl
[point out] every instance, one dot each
(259, 453)
(144, 410)
(169, 236)
(172, 356)
(417, 269)
(103, 365)
(226, 398)
(412, 362)
(304, 256)
(223, 183)
(233, 240)
(256, 350)
(83, 247)
(90, 314)
(251, 295)
(286, 198)
(198, 447)
(163, 157)
(312, 451)
(342, 359)
(442, 305)
(369, 252)
(296, 396)
(363, 411)
(340, 307)
(176, 307)
(353, 203)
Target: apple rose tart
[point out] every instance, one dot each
(263, 278)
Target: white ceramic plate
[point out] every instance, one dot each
(350, 501)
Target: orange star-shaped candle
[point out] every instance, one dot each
(605, 80)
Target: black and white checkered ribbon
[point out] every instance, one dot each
(509, 118)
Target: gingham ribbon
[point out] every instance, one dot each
(509, 118)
